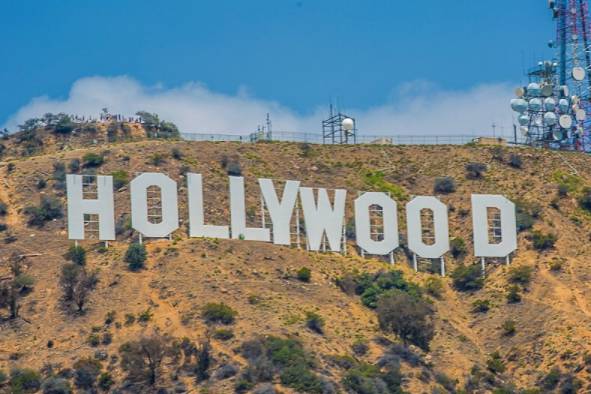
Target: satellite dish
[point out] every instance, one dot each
(563, 105)
(579, 74)
(533, 89)
(524, 130)
(581, 115)
(564, 90)
(523, 120)
(520, 92)
(550, 118)
(547, 90)
(519, 105)
(550, 104)
(565, 121)
(348, 124)
(535, 104)
(558, 135)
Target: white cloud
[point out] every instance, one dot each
(415, 108)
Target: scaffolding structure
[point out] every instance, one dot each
(333, 131)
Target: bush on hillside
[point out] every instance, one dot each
(444, 185)
(231, 165)
(76, 254)
(218, 313)
(92, 160)
(475, 170)
(468, 278)
(135, 256)
(458, 247)
(120, 179)
(542, 241)
(513, 295)
(48, 209)
(515, 161)
(304, 274)
(521, 274)
(315, 322)
(480, 306)
(585, 199)
(74, 165)
(24, 380)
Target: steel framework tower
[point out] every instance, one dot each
(553, 108)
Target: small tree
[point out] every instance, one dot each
(542, 241)
(14, 287)
(304, 274)
(204, 360)
(135, 256)
(457, 247)
(77, 283)
(76, 254)
(142, 359)
(218, 313)
(408, 317)
(49, 208)
(315, 322)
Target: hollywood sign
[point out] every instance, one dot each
(324, 219)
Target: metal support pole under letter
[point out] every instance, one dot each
(415, 264)
(442, 266)
(483, 265)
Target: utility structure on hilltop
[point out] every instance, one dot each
(339, 129)
(552, 109)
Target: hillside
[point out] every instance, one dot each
(259, 281)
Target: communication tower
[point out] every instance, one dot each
(552, 109)
(339, 129)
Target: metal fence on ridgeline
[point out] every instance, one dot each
(315, 138)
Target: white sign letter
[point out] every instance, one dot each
(139, 205)
(415, 229)
(280, 211)
(482, 245)
(102, 206)
(323, 218)
(238, 214)
(390, 223)
(197, 228)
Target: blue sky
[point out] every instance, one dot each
(285, 56)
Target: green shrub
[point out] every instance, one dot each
(520, 274)
(495, 363)
(515, 161)
(360, 347)
(434, 286)
(444, 185)
(24, 380)
(92, 160)
(286, 357)
(475, 170)
(94, 340)
(3, 208)
(509, 328)
(223, 334)
(76, 254)
(543, 241)
(120, 179)
(86, 371)
(467, 278)
(3, 377)
(156, 159)
(481, 306)
(370, 379)
(49, 208)
(56, 385)
(135, 256)
(74, 165)
(218, 313)
(550, 381)
(176, 154)
(513, 295)
(526, 213)
(304, 274)
(555, 265)
(105, 381)
(315, 322)
(375, 180)
(458, 247)
(145, 316)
